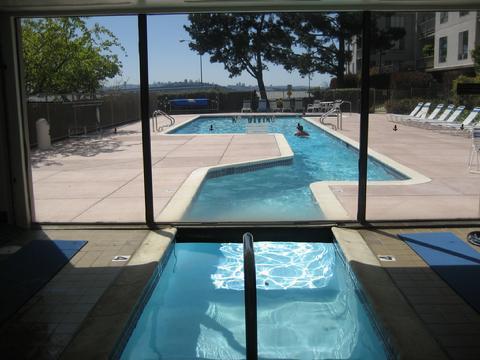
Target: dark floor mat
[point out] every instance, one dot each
(29, 269)
(457, 263)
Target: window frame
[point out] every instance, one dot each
(462, 47)
(442, 59)
(362, 139)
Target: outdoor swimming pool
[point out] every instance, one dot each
(280, 192)
(308, 304)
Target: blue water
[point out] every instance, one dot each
(282, 192)
(308, 306)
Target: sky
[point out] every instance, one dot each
(171, 59)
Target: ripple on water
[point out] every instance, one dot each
(279, 265)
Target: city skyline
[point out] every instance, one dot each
(170, 58)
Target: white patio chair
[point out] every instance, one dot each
(315, 107)
(247, 106)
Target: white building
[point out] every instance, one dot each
(456, 35)
(452, 35)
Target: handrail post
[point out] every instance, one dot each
(250, 284)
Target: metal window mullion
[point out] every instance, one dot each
(145, 119)
(364, 109)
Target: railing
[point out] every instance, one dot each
(250, 284)
(155, 115)
(426, 28)
(336, 111)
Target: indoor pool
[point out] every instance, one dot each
(280, 192)
(308, 306)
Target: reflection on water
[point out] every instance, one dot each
(278, 266)
(196, 310)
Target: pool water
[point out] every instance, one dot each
(280, 192)
(308, 306)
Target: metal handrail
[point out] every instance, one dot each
(335, 110)
(250, 284)
(155, 115)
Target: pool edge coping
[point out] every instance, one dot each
(325, 197)
(182, 199)
(386, 300)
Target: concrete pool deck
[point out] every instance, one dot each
(100, 179)
(453, 191)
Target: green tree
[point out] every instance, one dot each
(321, 39)
(476, 59)
(242, 42)
(64, 56)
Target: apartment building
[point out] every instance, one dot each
(436, 42)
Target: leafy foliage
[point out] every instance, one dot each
(411, 79)
(476, 59)
(322, 38)
(64, 56)
(470, 101)
(428, 50)
(401, 106)
(242, 42)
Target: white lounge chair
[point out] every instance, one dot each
(446, 112)
(286, 107)
(298, 105)
(247, 106)
(396, 117)
(475, 150)
(416, 109)
(467, 124)
(413, 113)
(419, 115)
(435, 112)
(262, 105)
(441, 120)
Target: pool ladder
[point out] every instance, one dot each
(158, 113)
(250, 285)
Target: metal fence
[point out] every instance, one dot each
(67, 118)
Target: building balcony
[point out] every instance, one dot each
(425, 63)
(426, 28)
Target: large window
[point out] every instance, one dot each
(251, 156)
(463, 45)
(241, 133)
(83, 110)
(422, 129)
(442, 49)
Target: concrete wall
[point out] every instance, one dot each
(451, 29)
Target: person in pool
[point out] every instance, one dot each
(300, 131)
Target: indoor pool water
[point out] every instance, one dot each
(280, 192)
(308, 306)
